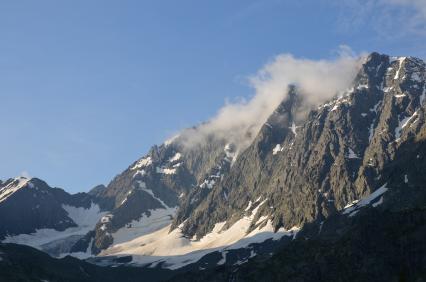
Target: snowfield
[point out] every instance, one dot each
(158, 219)
(174, 250)
(86, 220)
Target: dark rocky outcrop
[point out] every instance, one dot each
(32, 204)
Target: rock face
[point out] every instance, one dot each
(30, 204)
(380, 238)
(160, 180)
(378, 245)
(306, 170)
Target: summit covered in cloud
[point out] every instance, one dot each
(316, 81)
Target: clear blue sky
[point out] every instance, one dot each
(86, 87)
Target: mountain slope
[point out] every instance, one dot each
(303, 166)
(22, 263)
(199, 202)
(381, 238)
(380, 246)
(335, 156)
(33, 213)
(148, 193)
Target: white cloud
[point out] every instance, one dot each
(25, 174)
(317, 81)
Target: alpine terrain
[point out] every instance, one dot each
(320, 192)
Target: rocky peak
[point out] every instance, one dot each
(281, 124)
(372, 70)
(337, 154)
(12, 185)
(30, 204)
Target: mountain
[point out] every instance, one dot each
(314, 180)
(381, 243)
(146, 195)
(381, 237)
(303, 169)
(50, 219)
(334, 157)
(23, 263)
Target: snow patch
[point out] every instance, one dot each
(81, 255)
(352, 154)
(401, 60)
(176, 251)
(248, 206)
(223, 260)
(379, 202)
(354, 207)
(176, 157)
(422, 97)
(82, 216)
(86, 220)
(261, 219)
(371, 127)
(165, 170)
(277, 149)
(142, 185)
(387, 89)
(402, 124)
(143, 163)
(293, 128)
(208, 183)
(336, 106)
(362, 86)
(139, 172)
(374, 109)
(125, 199)
(158, 219)
(12, 187)
(371, 130)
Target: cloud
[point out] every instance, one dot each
(25, 174)
(419, 6)
(353, 14)
(316, 80)
(388, 18)
(413, 15)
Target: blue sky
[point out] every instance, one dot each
(86, 87)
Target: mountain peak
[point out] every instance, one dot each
(12, 185)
